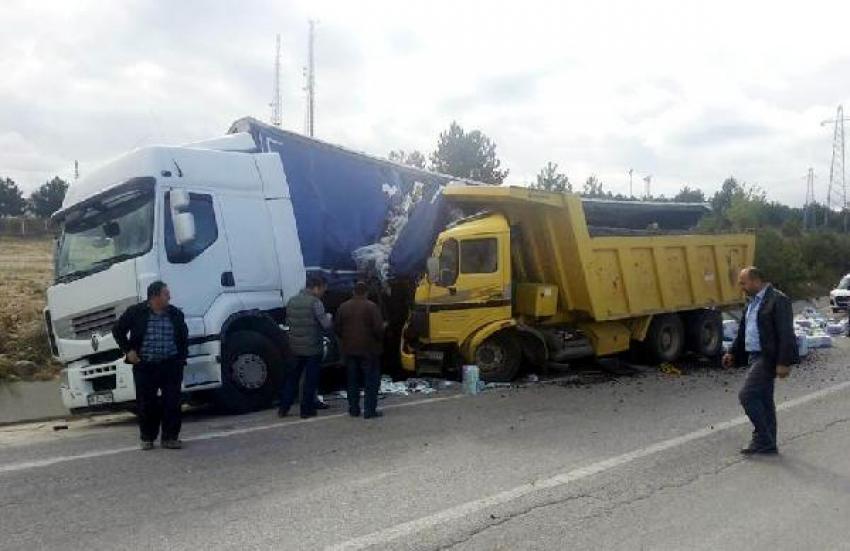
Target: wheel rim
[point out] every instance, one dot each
(667, 339)
(249, 371)
(489, 357)
(709, 336)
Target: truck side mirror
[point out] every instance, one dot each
(433, 265)
(184, 228)
(179, 199)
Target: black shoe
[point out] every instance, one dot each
(172, 444)
(354, 413)
(321, 405)
(282, 412)
(308, 415)
(146, 445)
(373, 415)
(753, 450)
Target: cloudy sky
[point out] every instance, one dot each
(689, 92)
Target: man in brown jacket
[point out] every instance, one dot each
(360, 328)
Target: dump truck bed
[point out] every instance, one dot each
(611, 277)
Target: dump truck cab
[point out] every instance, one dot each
(526, 279)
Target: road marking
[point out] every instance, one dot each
(406, 529)
(46, 462)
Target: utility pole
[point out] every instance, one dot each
(809, 208)
(76, 170)
(631, 170)
(310, 73)
(837, 191)
(276, 104)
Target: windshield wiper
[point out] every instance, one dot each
(95, 267)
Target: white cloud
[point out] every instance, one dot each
(688, 92)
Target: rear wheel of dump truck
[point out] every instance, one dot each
(705, 333)
(665, 339)
(251, 365)
(499, 358)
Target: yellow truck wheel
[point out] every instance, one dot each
(705, 332)
(499, 357)
(665, 340)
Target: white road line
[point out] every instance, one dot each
(46, 462)
(409, 528)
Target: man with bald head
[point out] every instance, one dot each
(766, 342)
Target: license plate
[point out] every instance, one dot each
(101, 398)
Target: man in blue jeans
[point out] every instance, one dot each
(360, 328)
(308, 323)
(767, 344)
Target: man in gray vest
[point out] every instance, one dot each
(308, 323)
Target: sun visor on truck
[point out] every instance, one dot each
(355, 213)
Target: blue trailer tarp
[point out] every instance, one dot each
(355, 212)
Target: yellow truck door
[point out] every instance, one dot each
(473, 287)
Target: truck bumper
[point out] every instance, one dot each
(110, 386)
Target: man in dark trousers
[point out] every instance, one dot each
(767, 343)
(308, 323)
(360, 327)
(154, 338)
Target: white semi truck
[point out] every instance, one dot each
(232, 225)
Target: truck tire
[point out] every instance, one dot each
(665, 339)
(499, 358)
(705, 333)
(250, 372)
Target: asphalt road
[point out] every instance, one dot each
(635, 462)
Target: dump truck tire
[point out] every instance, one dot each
(499, 358)
(705, 333)
(250, 370)
(665, 339)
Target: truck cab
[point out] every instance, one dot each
(214, 221)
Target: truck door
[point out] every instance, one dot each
(473, 288)
(196, 270)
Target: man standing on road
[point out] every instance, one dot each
(308, 323)
(766, 342)
(360, 327)
(154, 337)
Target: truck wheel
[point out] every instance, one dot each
(251, 364)
(665, 339)
(498, 358)
(705, 333)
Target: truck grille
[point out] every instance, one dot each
(842, 301)
(100, 321)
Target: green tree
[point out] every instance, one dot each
(689, 195)
(593, 187)
(722, 199)
(467, 155)
(549, 179)
(48, 198)
(414, 158)
(12, 201)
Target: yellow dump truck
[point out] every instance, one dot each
(526, 279)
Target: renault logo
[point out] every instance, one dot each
(95, 342)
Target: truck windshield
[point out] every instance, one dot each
(106, 229)
(844, 284)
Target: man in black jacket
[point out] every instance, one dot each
(766, 342)
(154, 337)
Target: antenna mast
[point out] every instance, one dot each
(809, 208)
(311, 81)
(837, 193)
(276, 104)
